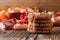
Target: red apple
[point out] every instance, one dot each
(56, 19)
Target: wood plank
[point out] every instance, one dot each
(43, 37)
(21, 36)
(32, 37)
(25, 36)
(5, 34)
(55, 33)
(8, 34)
(18, 33)
(12, 34)
(11, 39)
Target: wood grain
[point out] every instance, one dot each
(24, 35)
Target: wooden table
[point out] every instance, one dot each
(24, 35)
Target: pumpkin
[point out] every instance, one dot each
(2, 15)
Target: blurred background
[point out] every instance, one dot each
(53, 5)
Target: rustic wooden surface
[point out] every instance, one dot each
(24, 35)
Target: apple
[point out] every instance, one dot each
(56, 19)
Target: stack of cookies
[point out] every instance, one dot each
(39, 23)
